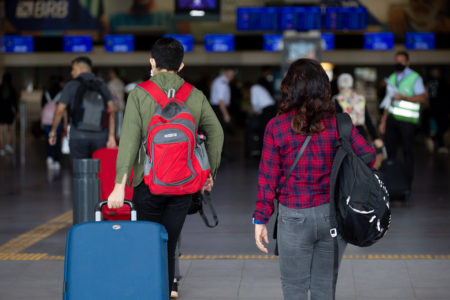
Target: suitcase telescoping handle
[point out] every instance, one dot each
(98, 210)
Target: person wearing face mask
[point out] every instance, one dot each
(401, 115)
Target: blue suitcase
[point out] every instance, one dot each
(116, 260)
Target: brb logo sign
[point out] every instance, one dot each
(42, 9)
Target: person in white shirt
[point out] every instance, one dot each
(221, 96)
(260, 98)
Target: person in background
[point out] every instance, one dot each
(8, 111)
(402, 112)
(306, 247)
(348, 101)
(117, 89)
(263, 104)
(49, 101)
(438, 93)
(220, 101)
(83, 143)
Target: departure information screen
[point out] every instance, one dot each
(378, 41)
(80, 43)
(346, 18)
(17, 44)
(301, 18)
(219, 42)
(420, 41)
(119, 43)
(187, 40)
(273, 42)
(328, 41)
(257, 18)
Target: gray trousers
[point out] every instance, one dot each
(306, 251)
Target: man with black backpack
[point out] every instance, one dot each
(91, 111)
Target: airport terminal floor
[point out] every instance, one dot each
(411, 262)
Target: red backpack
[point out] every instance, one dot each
(176, 162)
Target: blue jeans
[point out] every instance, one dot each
(306, 251)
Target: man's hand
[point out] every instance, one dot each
(378, 143)
(382, 127)
(260, 236)
(398, 96)
(52, 138)
(111, 143)
(116, 198)
(208, 184)
(227, 118)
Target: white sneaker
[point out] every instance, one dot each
(49, 162)
(442, 150)
(56, 166)
(9, 149)
(429, 144)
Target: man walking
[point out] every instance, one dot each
(401, 115)
(91, 112)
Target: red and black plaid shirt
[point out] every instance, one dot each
(309, 183)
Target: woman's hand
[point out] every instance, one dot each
(260, 236)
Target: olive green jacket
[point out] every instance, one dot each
(138, 113)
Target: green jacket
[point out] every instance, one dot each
(138, 113)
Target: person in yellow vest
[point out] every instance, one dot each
(401, 115)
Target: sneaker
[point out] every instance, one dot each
(442, 150)
(9, 149)
(2, 152)
(174, 292)
(56, 166)
(49, 162)
(429, 144)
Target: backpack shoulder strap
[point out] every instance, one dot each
(184, 91)
(344, 126)
(154, 91)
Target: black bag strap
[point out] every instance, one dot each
(207, 200)
(344, 128)
(291, 169)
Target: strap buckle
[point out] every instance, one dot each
(171, 93)
(333, 232)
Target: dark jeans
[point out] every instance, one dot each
(401, 134)
(84, 148)
(169, 211)
(54, 151)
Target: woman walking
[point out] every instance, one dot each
(306, 247)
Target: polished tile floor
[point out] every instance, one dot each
(411, 262)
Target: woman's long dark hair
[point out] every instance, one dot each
(306, 89)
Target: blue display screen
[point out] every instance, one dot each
(18, 44)
(379, 41)
(301, 18)
(273, 42)
(219, 42)
(328, 41)
(79, 43)
(420, 41)
(346, 18)
(257, 18)
(119, 43)
(187, 40)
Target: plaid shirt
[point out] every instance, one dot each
(309, 183)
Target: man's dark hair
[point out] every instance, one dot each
(404, 53)
(168, 54)
(83, 60)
